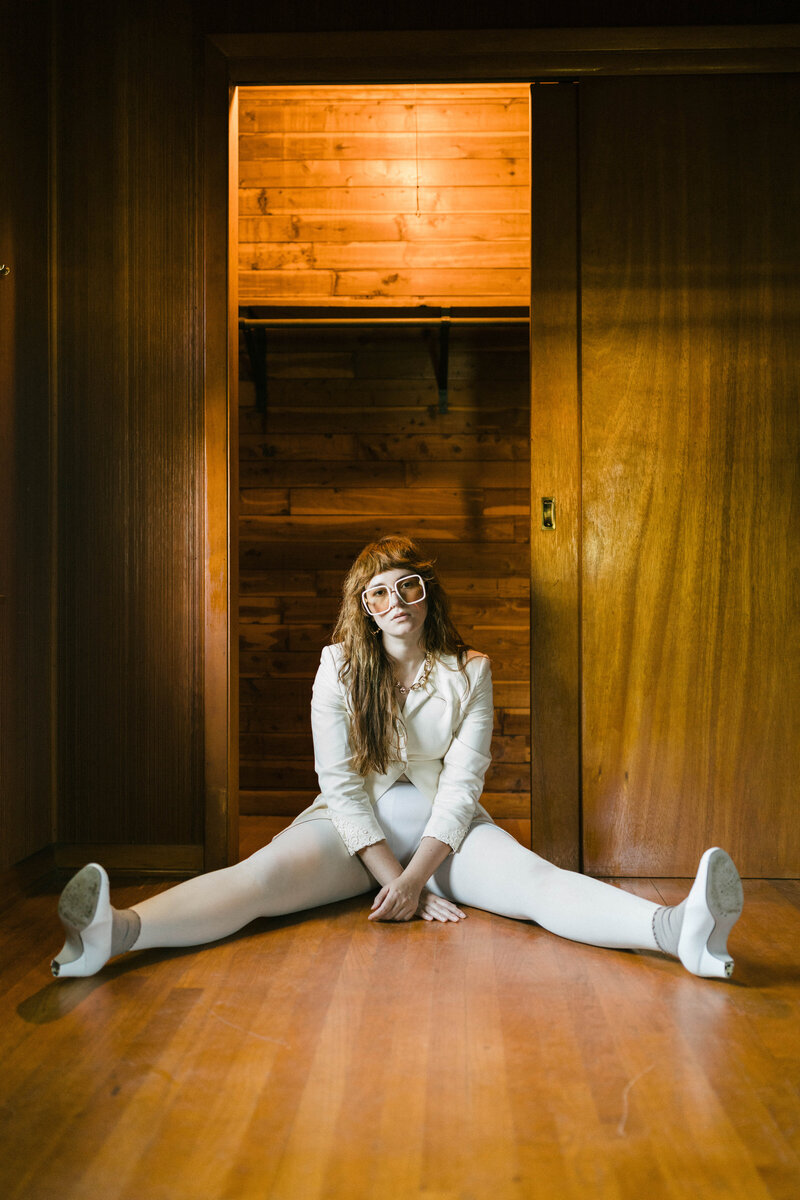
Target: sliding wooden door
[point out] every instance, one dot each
(666, 370)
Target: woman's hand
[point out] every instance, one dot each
(397, 900)
(436, 908)
(401, 900)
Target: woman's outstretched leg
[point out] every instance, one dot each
(305, 866)
(493, 871)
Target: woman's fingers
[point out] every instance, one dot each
(388, 905)
(436, 908)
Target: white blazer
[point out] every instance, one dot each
(445, 743)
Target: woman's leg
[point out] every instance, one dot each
(493, 871)
(304, 866)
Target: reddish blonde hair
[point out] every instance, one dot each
(366, 670)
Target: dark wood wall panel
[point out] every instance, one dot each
(690, 194)
(352, 447)
(130, 634)
(25, 693)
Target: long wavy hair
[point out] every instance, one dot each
(366, 670)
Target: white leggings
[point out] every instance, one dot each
(308, 865)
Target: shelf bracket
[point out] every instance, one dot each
(443, 364)
(255, 340)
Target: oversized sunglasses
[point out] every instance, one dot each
(409, 590)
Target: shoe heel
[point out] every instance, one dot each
(84, 910)
(713, 907)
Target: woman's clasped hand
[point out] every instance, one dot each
(402, 899)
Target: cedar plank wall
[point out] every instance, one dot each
(384, 196)
(353, 445)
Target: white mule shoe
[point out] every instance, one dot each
(712, 909)
(86, 914)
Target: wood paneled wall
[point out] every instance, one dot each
(392, 195)
(130, 412)
(25, 692)
(690, 192)
(352, 447)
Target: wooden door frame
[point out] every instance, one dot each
(466, 56)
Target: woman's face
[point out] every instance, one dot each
(401, 620)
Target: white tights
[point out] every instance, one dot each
(307, 865)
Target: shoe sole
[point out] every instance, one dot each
(713, 906)
(77, 910)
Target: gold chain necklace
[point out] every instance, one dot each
(423, 679)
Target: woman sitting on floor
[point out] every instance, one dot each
(402, 719)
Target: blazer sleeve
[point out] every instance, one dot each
(465, 762)
(341, 786)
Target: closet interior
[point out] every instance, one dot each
(383, 276)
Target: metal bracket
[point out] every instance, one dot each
(255, 339)
(443, 364)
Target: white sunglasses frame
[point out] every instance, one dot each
(393, 588)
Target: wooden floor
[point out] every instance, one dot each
(327, 1057)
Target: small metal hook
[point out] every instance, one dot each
(4, 270)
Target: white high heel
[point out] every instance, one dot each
(712, 908)
(85, 912)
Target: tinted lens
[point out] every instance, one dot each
(411, 589)
(378, 599)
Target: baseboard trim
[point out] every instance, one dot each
(18, 879)
(129, 859)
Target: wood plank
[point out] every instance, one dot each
(423, 93)
(277, 745)
(353, 255)
(383, 145)
(265, 718)
(287, 776)
(501, 559)
(432, 173)
(383, 228)
(515, 721)
(418, 393)
(295, 694)
(370, 528)
(279, 583)
(371, 198)
(400, 447)
(426, 285)
(487, 474)
(389, 501)
(491, 475)
(133, 859)
(383, 421)
(276, 472)
(274, 803)
(323, 116)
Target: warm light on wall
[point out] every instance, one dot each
(389, 196)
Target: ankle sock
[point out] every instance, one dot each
(125, 927)
(667, 924)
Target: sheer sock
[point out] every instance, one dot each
(667, 925)
(125, 927)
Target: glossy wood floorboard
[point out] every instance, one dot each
(325, 1057)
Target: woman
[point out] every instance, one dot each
(402, 721)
